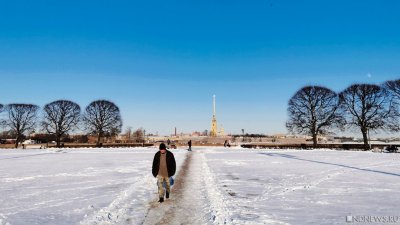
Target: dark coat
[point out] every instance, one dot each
(171, 165)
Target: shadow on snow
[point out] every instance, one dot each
(327, 163)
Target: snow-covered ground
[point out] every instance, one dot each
(306, 187)
(93, 186)
(213, 186)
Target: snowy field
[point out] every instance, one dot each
(76, 186)
(306, 187)
(214, 186)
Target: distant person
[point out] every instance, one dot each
(226, 143)
(190, 145)
(168, 142)
(164, 167)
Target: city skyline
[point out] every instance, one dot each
(161, 62)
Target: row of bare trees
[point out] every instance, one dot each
(138, 135)
(101, 117)
(316, 110)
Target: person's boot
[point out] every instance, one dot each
(161, 200)
(167, 194)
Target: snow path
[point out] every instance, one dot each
(129, 207)
(194, 199)
(120, 211)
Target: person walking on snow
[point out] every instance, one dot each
(164, 167)
(190, 145)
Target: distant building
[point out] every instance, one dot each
(196, 133)
(221, 132)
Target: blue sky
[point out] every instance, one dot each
(161, 61)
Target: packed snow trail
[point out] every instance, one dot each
(194, 197)
(131, 205)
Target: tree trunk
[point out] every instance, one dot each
(98, 139)
(16, 141)
(315, 140)
(365, 137)
(58, 140)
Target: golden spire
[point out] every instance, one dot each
(214, 130)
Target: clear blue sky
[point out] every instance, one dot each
(161, 61)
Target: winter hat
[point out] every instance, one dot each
(162, 146)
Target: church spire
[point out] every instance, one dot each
(214, 105)
(214, 130)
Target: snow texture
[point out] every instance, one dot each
(213, 185)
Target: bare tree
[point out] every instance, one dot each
(393, 86)
(139, 134)
(21, 118)
(128, 134)
(368, 107)
(2, 122)
(60, 117)
(102, 118)
(313, 110)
